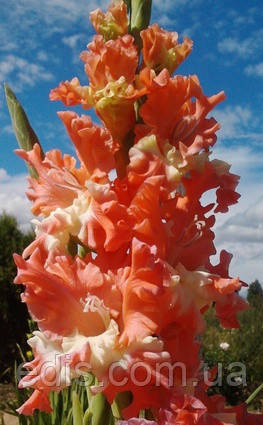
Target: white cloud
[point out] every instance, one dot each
(240, 230)
(21, 72)
(238, 123)
(3, 175)
(242, 235)
(13, 199)
(166, 12)
(42, 56)
(72, 40)
(255, 70)
(238, 20)
(189, 32)
(46, 17)
(242, 48)
(232, 45)
(8, 129)
(167, 6)
(247, 163)
(6, 47)
(243, 158)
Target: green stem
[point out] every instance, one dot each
(122, 155)
(128, 4)
(140, 18)
(254, 394)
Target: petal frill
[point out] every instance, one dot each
(145, 162)
(207, 288)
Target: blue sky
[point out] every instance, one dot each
(40, 45)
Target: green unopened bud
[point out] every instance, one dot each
(87, 417)
(25, 135)
(101, 410)
(76, 410)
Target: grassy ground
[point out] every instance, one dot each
(7, 394)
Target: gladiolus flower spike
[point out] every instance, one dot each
(127, 303)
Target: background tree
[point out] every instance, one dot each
(13, 326)
(255, 293)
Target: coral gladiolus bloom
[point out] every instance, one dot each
(119, 275)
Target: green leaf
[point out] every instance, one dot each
(76, 409)
(26, 137)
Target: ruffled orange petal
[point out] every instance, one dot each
(113, 23)
(108, 61)
(146, 215)
(38, 400)
(193, 242)
(141, 295)
(228, 308)
(173, 115)
(71, 93)
(58, 180)
(108, 226)
(47, 295)
(94, 144)
(162, 50)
